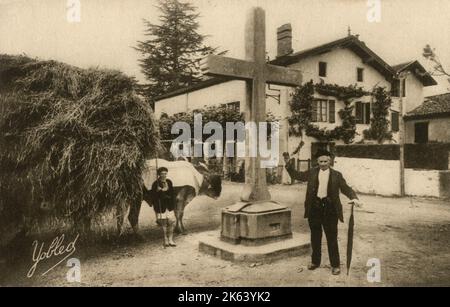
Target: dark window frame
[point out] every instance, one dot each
(395, 88)
(360, 74)
(363, 112)
(321, 110)
(235, 105)
(323, 69)
(398, 88)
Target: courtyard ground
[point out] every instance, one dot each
(409, 236)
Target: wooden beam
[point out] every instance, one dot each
(282, 76)
(214, 65)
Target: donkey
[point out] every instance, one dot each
(210, 185)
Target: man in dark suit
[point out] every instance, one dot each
(323, 207)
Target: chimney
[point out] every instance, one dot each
(284, 40)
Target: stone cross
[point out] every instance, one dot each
(256, 72)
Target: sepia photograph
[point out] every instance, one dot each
(197, 145)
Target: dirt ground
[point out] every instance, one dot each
(410, 237)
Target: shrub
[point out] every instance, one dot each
(427, 156)
(368, 151)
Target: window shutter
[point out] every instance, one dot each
(367, 113)
(331, 109)
(358, 112)
(324, 110)
(404, 87)
(314, 111)
(395, 121)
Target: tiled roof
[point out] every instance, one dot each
(432, 107)
(197, 86)
(418, 70)
(352, 42)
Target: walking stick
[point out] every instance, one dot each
(351, 224)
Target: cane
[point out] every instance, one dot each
(351, 225)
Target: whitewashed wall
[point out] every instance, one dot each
(370, 175)
(382, 177)
(214, 95)
(341, 69)
(414, 93)
(438, 129)
(422, 182)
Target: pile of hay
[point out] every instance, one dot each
(75, 140)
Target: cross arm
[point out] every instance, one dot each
(214, 65)
(282, 76)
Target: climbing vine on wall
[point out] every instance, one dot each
(302, 112)
(379, 123)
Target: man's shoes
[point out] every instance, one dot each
(312, 266)
(336, 271)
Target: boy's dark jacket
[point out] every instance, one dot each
(336, 183)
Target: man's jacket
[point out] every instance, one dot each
(336, 183)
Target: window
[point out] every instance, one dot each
(396, 88)
(235, 106)
(332, 111)
(322, 69)
(421, 133)
(362, 113)
(395, 127)
(321, 111)
(360, 74)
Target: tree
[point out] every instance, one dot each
(438, 70)
(173, 50)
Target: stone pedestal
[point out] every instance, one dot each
(255, 223)
(255, 231)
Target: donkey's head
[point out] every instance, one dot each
(212, 183)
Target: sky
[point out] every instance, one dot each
(108, 29)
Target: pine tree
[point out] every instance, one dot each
(172, 54)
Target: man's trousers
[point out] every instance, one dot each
(323, 215)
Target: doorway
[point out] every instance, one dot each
(421, 133)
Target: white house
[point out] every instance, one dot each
(346, 61)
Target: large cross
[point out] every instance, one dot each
(257, 73)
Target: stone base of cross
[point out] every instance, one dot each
(256, 72)
(256, 228)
